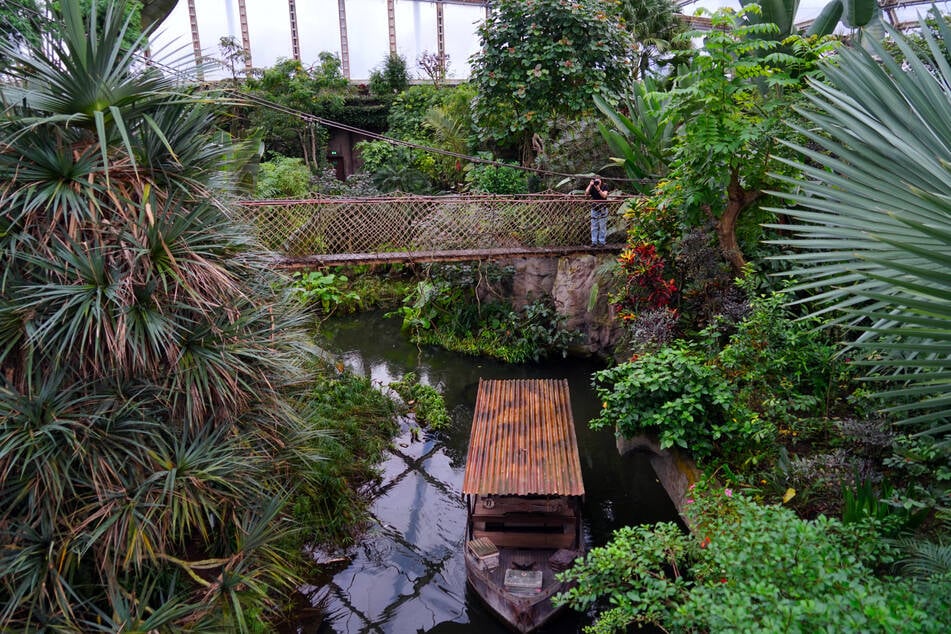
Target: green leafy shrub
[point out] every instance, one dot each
(783, 364)
(679, 394)
(425, 400)
(534, 332)
(750, 568)
(392, 78)
(495, 179)
(923, 467)
(409, 109)
(374, 154)
(283, 177)
(324, 289)
(775, 377)
(394, 167)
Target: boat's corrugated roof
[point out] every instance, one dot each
(523, 440)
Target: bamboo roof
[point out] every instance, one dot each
(523, 440)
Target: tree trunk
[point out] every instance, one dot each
(313, 148)
(302, 140)
(738, 200)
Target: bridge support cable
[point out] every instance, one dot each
(307, 117)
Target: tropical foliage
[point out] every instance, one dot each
(873, 222)
(542, 59)
(752, 567)
(719, 400)
(316, 90)
(653, 25)
(459, 308)
(642, 139)
(426, 116)
(146, 445)
(729, 105)
(391, 78)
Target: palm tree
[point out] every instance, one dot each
(873, 237)
(144, 352)
(654, 25)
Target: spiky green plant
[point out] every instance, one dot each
(873, 211)
(642, 140)
(144, 353)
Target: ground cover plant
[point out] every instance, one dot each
(462, 308)
(357, 422)
(350, 289)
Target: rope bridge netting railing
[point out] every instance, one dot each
(386, 224)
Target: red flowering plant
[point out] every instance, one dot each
(645, 287)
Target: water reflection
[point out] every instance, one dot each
(408, 574)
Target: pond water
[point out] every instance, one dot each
(407, 575)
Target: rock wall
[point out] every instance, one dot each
(675, 470)
(577, 283)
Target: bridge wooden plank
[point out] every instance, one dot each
(322, 260)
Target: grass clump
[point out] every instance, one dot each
(353, 424)
(425, 401)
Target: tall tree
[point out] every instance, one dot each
(543, 58)
(145, 440)
(654, 26)
(729, 104)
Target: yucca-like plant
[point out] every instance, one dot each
(144, 353)
(873, 209)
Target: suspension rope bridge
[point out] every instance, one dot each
(323, 232)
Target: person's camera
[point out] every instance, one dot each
(597, 181)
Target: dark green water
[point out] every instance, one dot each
(408, 574)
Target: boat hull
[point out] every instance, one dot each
(521, 610)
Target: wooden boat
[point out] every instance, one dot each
(523, 493)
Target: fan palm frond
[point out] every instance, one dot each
(873, 209)
(924, 559)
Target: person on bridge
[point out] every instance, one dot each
(599, 212)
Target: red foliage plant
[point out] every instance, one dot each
(645, 286)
